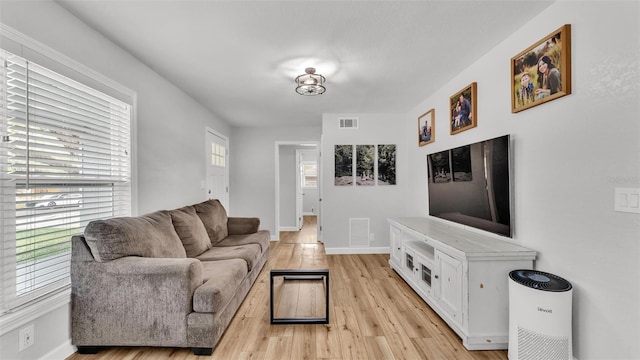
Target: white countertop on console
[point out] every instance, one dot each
(471, 243)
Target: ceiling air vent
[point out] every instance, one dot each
(348, 123)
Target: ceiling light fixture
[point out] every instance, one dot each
(310, 83)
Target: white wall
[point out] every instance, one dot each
(170, 134)
(252, 155)
(377, 203)
(310, 201)
(570, 154)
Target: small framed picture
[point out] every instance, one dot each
(463, 109)
(542, 72)
(427, 128)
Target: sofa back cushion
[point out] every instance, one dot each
(150, 235)
(214, 218)
(190, 230)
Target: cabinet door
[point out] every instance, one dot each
(409, 262)
(396, 245)
(449, 285)
(424, 274)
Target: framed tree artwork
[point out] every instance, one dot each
(386, 164)
(463, 109)
(343, 175)
(365, 162)
(542, 72)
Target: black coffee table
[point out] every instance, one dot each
(300, 274)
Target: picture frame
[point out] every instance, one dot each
(365, 165)
(542, 72)
(343, 161)
(386, 172)
(427, 127)
(463, 114)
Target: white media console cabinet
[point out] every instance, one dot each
(462, 274)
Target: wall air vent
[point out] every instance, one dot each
(359, 232)
(348, 123)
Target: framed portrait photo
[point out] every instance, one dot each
(463, 109)
(542, 72)
(427, 128)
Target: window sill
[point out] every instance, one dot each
(13, 320)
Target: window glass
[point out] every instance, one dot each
(310, 175)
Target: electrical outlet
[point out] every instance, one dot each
(25, 337)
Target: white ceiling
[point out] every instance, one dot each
(240, 58)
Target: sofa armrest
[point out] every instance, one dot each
(242, 225)
(132, 298)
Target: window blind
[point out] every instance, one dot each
(65, 160)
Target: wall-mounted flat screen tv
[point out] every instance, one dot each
(471, 185)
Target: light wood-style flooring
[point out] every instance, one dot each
(373, 314)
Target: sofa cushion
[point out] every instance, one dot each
(214, 218)
(190, 230)
(221, 281)
(250, 253)
(150, 235)
(262, 238)
(242, 225)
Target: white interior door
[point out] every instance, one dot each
(217, 150)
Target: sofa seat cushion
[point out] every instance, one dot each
(250, 253)
(222, 279)
(150, 235)
(262, 238)
(190, 230)
(214, 218)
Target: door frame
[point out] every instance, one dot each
(277, 179)
(207, 153)
(299, 189)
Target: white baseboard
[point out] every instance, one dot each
(348, 251)
(61, 352)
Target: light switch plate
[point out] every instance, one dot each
(627, 200)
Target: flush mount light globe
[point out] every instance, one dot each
(310, 83)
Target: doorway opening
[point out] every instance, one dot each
(298, 188)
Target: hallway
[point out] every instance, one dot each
(307, 235)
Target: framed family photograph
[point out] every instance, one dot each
(542, 72)
(427, 128)
(462, 106)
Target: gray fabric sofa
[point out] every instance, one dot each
(170, 278)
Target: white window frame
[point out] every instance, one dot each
(12, 41)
